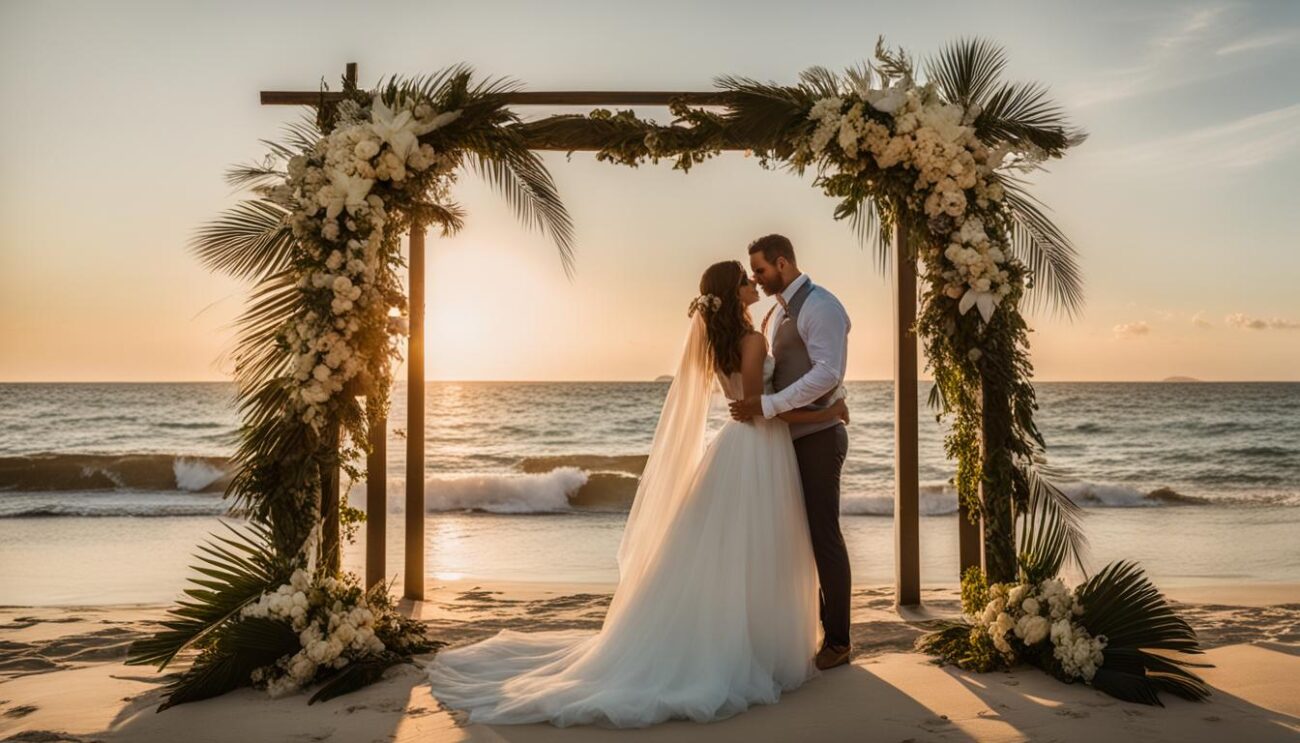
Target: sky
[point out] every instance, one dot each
(121, 118)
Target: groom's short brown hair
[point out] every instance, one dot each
(773, 247)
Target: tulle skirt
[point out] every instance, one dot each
(721, 616)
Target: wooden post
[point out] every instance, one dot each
(999, 543)
(329, 502)
(377, 502)
(907, 543)
(414, 582)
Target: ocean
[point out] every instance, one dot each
(105, 488)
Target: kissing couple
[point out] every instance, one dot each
(718, 604)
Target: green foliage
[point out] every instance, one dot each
(974, 590)
(1145, 639)
(1120, 603)
(962, 645)
(355, 676)
(233, 571)
(227, 663)
(1051, 531)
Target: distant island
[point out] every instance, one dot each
(1180, 379)
(664, 378)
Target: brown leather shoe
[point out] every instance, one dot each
(830, 656)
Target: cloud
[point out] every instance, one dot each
(1199, 320)
(1132, 329)
(1238, 144)
(1161, 66)
(1261, 41)
(1190, 29)
(1242, 320)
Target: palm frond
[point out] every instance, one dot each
(1045, 249)
(893, 64)
(871, 230)
(270, 304)
(1051, 532)
(1021, 113)
(820, 82)
(967, 69)
(522, 178)
(762, 114)
(254, 176)
(355, 675)
(232, 572)
(1121, 603)
(251, 240)
(240, 649)
(860, 77)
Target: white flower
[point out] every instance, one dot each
(888, 99)
(343, 191)
(439, 121)
(1032, 629)
(401, 129)
(366, 149)
(984, 300)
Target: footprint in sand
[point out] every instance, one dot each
(935, 724)
(1075, 713)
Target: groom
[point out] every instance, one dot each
(808, 334)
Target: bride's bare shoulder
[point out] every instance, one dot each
(753, 339)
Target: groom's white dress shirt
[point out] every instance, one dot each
(824, 327)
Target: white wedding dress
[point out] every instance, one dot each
(716, 606)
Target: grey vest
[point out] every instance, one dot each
(792, 361)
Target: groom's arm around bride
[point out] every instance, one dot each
(811, 361)
(808, 334)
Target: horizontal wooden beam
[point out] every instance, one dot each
(531, 98)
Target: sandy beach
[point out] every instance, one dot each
(62, 679)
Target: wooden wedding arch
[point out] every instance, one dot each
(907, 546)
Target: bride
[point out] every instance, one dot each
(716, 606)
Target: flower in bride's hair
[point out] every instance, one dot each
(702, 303)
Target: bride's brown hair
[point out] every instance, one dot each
(730, 322)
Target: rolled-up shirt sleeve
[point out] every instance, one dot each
(824, 327)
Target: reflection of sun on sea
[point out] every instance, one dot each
(444, 545)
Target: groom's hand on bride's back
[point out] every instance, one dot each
(745, 410)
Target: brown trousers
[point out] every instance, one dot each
(821, 457)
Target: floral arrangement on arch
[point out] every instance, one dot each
(942, 163)
(938, 163)
(322, 246)
(1102, 633)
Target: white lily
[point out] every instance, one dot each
(439, 121)
(397, 128)
(986, 302)
(343, 191)
(887, 99)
